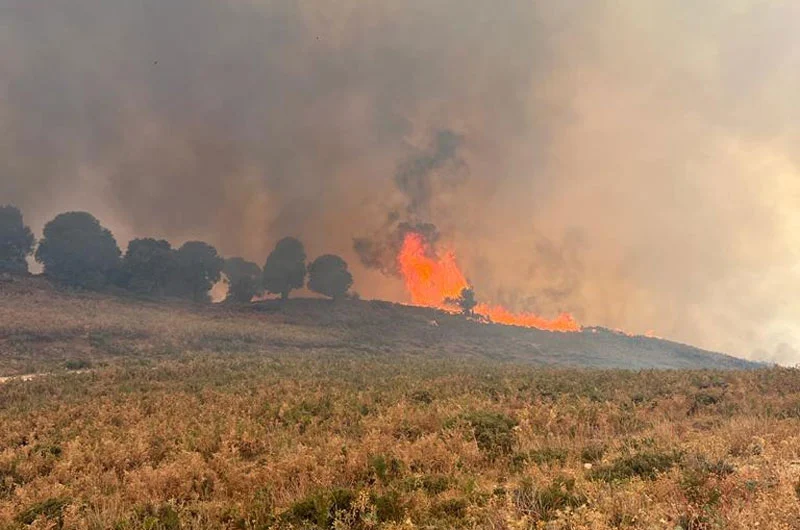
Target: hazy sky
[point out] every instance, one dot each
(633, 162)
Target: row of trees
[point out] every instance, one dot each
(77, 250)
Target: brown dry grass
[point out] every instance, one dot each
(211, 418)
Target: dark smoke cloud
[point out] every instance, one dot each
(420, 178)
(634, 163)
(415, 177)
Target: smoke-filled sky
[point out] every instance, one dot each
(635, 163)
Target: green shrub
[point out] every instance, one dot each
(450, 509)
(386, 469)
(50, 509)
(493, 432)
(435, 484)
(388, 507)
(163, 517)
(544, 503)
(321, 508)
(643, 465)
(422, 396)
(78, 364)
(592, 453)
(548, 455)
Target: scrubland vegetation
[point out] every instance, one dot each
(174, 415)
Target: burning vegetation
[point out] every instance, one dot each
(435, 280)
(77, 250)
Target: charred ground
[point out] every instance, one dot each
(43, 325)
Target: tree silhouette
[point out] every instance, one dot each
(198, 267)
(328, 275)
(465, 301)
(244, 279)
(285, 268)
(76, 250)
(16, 241)
(148, 266)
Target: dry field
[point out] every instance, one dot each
(165, 416)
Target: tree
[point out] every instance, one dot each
(285, 268)
(244, 279)
(328, 275)
(16, 241)
(465, 300)
(197, 268)
(148, 266)
(77, 250)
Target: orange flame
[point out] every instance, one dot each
(431, 280)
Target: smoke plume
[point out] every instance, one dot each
(632, 163)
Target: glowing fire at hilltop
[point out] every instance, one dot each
(432, 280)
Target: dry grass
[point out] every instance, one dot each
(170, 416)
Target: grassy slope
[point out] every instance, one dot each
(39, 325)
(301, 418)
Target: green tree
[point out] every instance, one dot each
(328, 275)
(198, 267)
(285, 268)
(244, 279)
(148, 266)
(77, 250)
(16, 241)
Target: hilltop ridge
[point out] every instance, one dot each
(45, 324)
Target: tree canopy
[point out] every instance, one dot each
(285, 268)
(244, 279)
(328, 275)
(77, 250)
(16, 241)
(197, 268)
(148, 266)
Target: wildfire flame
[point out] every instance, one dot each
(431, 280)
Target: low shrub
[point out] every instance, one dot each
(493, 432)
(51, 509)
(544, 503)
(643, 465)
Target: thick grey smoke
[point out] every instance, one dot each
(634, 163)
(420, 178)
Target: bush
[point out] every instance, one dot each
(422, 396)
(435, 484)
(49, 509)
(77, 364)
(493, 432)
(450, 508)
(386, 469)
(321, 508)
(545, 503)
(388, 507)
(592, 453)
(643, 465)
(163, 517)
(548, 455)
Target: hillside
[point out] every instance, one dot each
(141, 415)
(42, 327)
